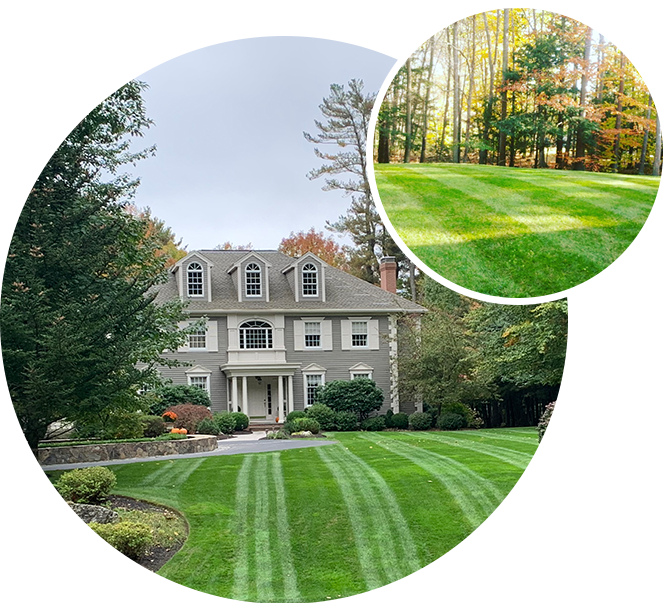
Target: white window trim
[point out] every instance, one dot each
(260, 279)
(315, 272)
(202, 276)
(211, 338)
(361, 369)
(269, 336)
(199, 371)
(313, 347)
(312, 370)
(372, 342)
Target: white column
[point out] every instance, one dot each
(235, 394)
(245, 401)
(280, 395)
(290, 393)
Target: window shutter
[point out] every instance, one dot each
(327, 334)
(183, 348)
(346, 334)
(212, 336)
(373, 334)
(298, 335)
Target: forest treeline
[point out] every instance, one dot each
(525, 88)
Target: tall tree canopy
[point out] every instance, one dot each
(80, 331)
(324, 247)
(520, 87)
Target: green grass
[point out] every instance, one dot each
(514, 232)
(332, 521)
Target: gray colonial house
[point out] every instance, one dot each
(277, 327)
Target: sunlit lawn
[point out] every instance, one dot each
(514, 232)
(328, 522)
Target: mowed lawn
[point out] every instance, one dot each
(514, 232)
(332, 521)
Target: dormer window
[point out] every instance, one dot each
(252, 275)
(255, 334)
(195, 280)
(309, 281)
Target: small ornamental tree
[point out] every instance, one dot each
(172, 395)
(189, 416)
(360, 396)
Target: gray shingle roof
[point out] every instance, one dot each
(343, 291)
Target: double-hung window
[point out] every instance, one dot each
(253, 280)
(311, 383)
(198, 340)
(194, 280)
(359, 334)
(199, 381)
(312, 334)
(310, 286)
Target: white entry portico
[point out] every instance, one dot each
(261, 391)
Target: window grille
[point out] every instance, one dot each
(312, 334)
(309, 281)
(359, 334)
(195, 280)
(253, 280)
(255, 334)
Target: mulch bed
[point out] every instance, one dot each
(156, 557)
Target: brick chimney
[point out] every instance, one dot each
(388, 270)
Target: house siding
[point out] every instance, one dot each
(212, 361)
(337, 361)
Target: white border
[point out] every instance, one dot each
(640, 34)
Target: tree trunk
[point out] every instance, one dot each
(408, 121)
(656, 170)
(645, 140)
(488, 110)
(580, 150)
(503, 97)
(456, 151)
(619, 111)
(426, 101)
(470, 90)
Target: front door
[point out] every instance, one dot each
(262, 393)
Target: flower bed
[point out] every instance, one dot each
(64, 455)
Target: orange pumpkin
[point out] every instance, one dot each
(182, 430)
(175, 430)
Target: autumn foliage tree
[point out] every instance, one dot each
(324, 247)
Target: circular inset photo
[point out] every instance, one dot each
(518, 153)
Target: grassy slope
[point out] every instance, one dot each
(514, 232)
(313, 523)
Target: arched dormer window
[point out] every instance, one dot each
(255, 334)
(195, 280)
(310, 281)
(252, 277)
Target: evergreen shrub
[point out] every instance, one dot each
(374, 424)
(128, 537)
(419, 421)
(89, 485)
(207, 427)
(307, 424)
(227, 421)
(323, 414)
(346, 421)
(399, 421)
(451, 421)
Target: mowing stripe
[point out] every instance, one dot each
(532, 441)
(369, 568)
(291, 592)
(394, 514)
(241, 572)
(183, 471)
(392, 511)
(263, 558)
(476, 496)
(379, 536)
(156, 475)
(513, 457)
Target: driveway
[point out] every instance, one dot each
(240, 444)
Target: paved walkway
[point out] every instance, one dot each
(239, 444)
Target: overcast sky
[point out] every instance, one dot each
(232, 161)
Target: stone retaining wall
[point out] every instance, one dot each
(87, 453)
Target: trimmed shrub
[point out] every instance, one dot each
(360, 396)
(399, 421)
(346, 421)
(153, 426)
(419, 421)
(164, 397)
(374, 424)
(450, 421)
(207, 427)
(189, 415)
(471, 416)
(226, 421)
(307, 424)
(388, 417)
(323, 414)
(290, 427)
(544, 420)
(295, 414)
(128, 537)
(90, 485)
(241, 421)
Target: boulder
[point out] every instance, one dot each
(94, 513)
